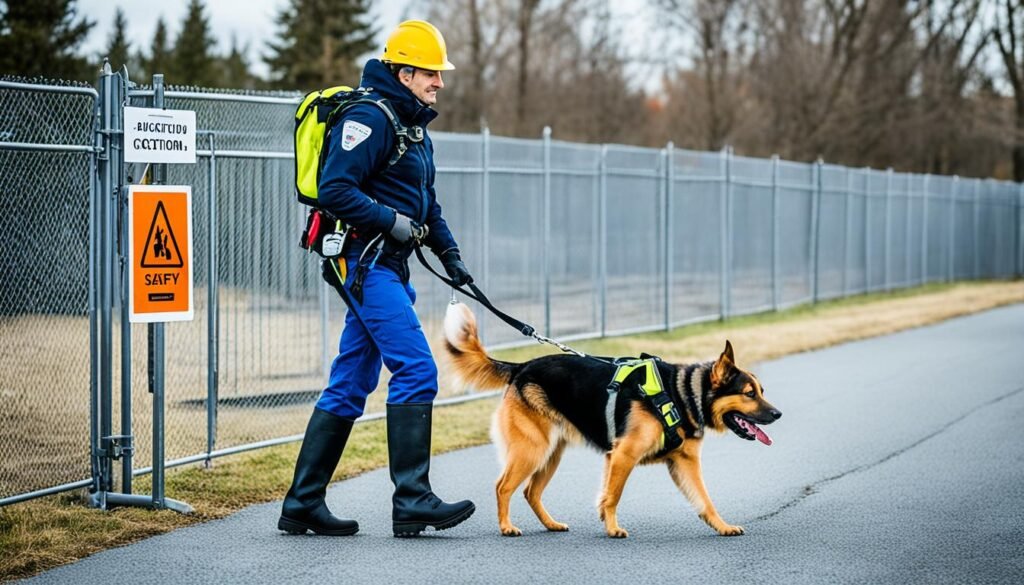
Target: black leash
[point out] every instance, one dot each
(478, 295)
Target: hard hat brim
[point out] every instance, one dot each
(446, 66)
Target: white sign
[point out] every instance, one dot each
(152, 135)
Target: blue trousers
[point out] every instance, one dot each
(386, 330)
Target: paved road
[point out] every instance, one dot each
(898, 459)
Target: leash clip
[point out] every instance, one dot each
(560, 346)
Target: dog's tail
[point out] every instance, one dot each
(470, 360)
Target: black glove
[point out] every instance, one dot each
(455, 268)
(405, 229)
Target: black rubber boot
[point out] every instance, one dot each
(304, 507)
(415, 505)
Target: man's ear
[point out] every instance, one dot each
(724, 366)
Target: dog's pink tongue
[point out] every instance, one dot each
(761, 435)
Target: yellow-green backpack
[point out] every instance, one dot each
(314, 119)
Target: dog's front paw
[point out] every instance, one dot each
(617, 532)
(511, 530)
(557, 527)
(730, 530)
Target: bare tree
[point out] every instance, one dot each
(1007, 31)
(522, 65)
(478, 44)
(718, 29)
(945, 125)
(527, 10)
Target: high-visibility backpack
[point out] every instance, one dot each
(314, 120)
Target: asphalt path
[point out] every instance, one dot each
(897, 459)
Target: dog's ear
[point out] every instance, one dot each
(728, 352)
(724, 365)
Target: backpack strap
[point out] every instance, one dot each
(403, 134)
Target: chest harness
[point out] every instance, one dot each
(648, 387)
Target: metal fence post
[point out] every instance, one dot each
(156, 347)
(925, 196)
(103, 412)
(157, 355)
(867, 229)
(907, 227)
(670, 178)
(977, 229)
(951, 268)
(887, 238)
(545, 256)
(212, 306)
(485, 213)
(1019, 229)
(603, 235)
(815, 225)
(847, 232)
(126, 435)
(775, 232)
(100, 152)
(725, 217)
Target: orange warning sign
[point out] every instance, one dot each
(160, 233)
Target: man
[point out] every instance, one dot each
(391, 205)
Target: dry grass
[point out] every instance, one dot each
(53, 531)
(45, 533)
(807, 328)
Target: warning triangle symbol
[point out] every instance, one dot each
(161, 249)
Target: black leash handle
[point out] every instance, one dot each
(479, 296)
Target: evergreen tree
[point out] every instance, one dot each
(318, 43)
(235, 68)
(118, 51)
(160, 54)
(41, 38)
(193, 61)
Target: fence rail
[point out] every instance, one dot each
(580, 240)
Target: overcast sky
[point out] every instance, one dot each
(252, 21)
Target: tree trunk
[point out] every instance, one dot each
(525, 20)
(1018, 143)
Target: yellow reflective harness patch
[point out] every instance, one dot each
(652, 390)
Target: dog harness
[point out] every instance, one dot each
(651, 390)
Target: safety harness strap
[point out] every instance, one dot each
(650, 389)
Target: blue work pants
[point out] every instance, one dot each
(386, 329)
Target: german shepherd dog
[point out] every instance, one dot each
(556, 400)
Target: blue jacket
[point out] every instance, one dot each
(356, 184)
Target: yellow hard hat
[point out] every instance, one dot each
(417, 43)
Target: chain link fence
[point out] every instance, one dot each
(579, 240)
(46, 177)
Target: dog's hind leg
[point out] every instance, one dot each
(684, 467)
(527, 439)
(535, 487)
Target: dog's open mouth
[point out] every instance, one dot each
(745, 428)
